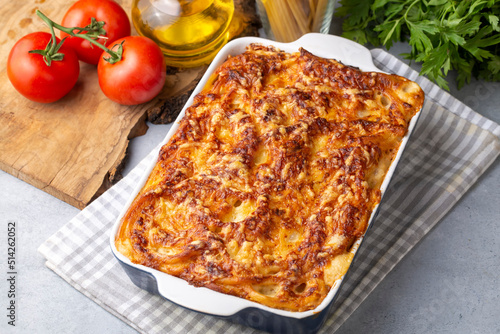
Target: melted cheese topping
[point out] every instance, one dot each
(270, 178)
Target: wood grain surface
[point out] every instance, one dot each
(74, 148)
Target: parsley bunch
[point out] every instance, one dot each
(443, 34)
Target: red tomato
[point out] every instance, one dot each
(31, 76)
(138, 77)
(80, 14)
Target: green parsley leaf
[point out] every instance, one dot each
(444, 35)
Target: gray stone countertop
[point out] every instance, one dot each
(449, 283)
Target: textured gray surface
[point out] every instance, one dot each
(447, 284)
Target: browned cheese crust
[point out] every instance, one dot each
(271, 177)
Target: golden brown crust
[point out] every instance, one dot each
(270, 178)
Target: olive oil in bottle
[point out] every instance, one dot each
(189, 32)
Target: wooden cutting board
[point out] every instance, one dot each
(74, 148)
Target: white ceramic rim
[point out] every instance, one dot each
(212, 302)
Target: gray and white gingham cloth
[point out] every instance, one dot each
(450, 148)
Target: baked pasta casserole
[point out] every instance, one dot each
(271, 177)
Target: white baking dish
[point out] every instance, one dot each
(237, 309)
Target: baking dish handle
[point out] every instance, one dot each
(198, 299)
(339, 48)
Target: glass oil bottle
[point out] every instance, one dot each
(189, 32)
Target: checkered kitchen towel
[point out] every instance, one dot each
(450, 148)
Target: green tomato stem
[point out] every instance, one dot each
(115, 56)
(54, 41)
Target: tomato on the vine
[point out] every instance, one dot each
(117, 25)
(138, 77)
(33, 78)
